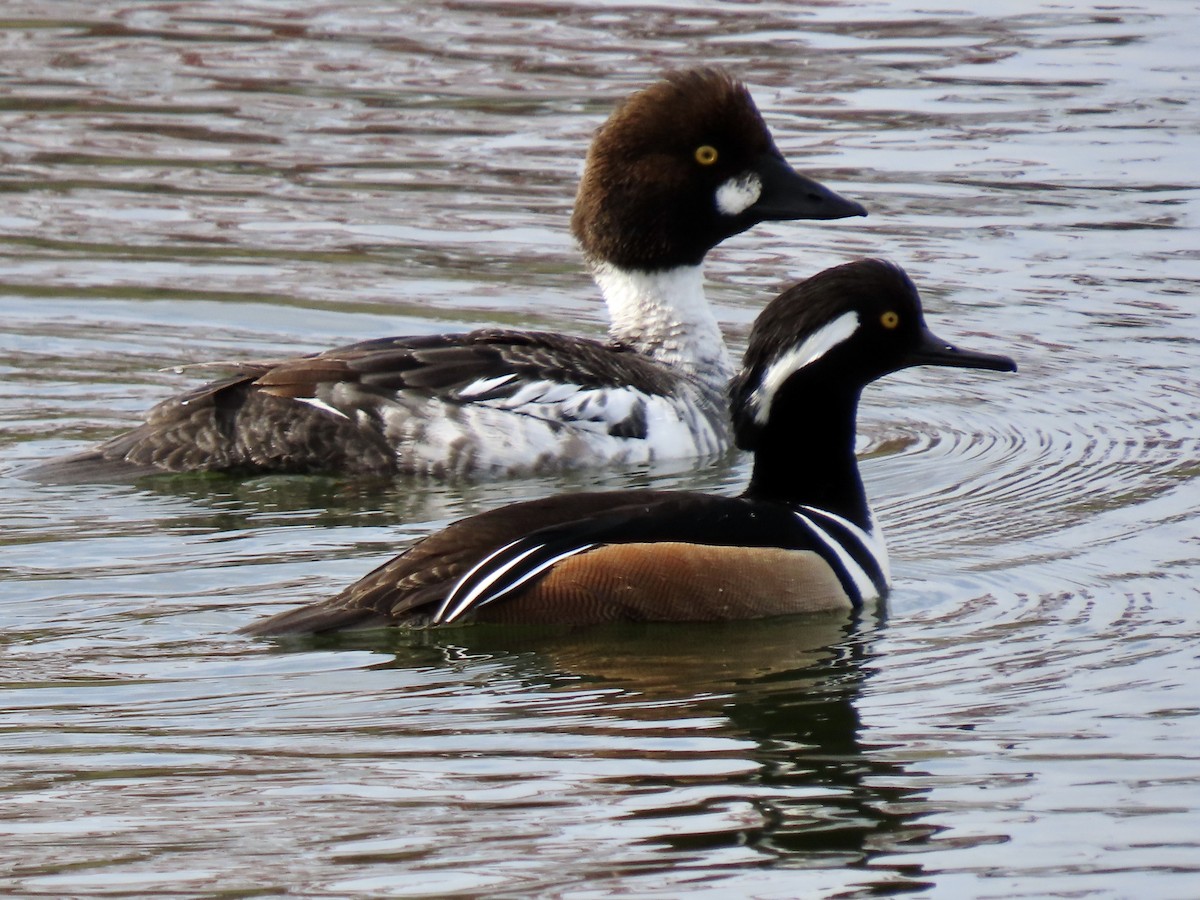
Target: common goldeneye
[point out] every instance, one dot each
(676, 169)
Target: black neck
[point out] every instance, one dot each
(805, 452)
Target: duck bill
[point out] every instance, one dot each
(933, 351)
(786, 194)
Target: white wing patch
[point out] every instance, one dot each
(594, 409)
(806, 353)
(611, 406)
(593, 427)
(540, 392)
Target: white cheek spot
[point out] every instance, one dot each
(737, 195)
(806, 353)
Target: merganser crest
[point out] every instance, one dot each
(811, 349)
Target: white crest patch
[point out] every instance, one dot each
(737, 195)
(806, 353)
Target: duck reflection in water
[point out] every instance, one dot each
(741, 738)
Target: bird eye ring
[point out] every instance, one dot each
(889, 319)
(706, 155)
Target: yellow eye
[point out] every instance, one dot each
(706, 155)
(889, 319)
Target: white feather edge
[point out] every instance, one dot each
(322, 405)
(475, 597)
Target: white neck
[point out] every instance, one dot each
(666, 316)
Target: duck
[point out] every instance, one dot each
(800, 539)
(677, 168)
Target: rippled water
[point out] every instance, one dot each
(189, 182)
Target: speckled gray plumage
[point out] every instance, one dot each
(250, 423)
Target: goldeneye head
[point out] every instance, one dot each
(823, 340)
(682, 165)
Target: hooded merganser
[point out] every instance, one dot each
(800, 539)
(676, 169)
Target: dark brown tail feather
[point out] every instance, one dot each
(316, 619)
(85, 467)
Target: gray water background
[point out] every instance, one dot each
(191, 182)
